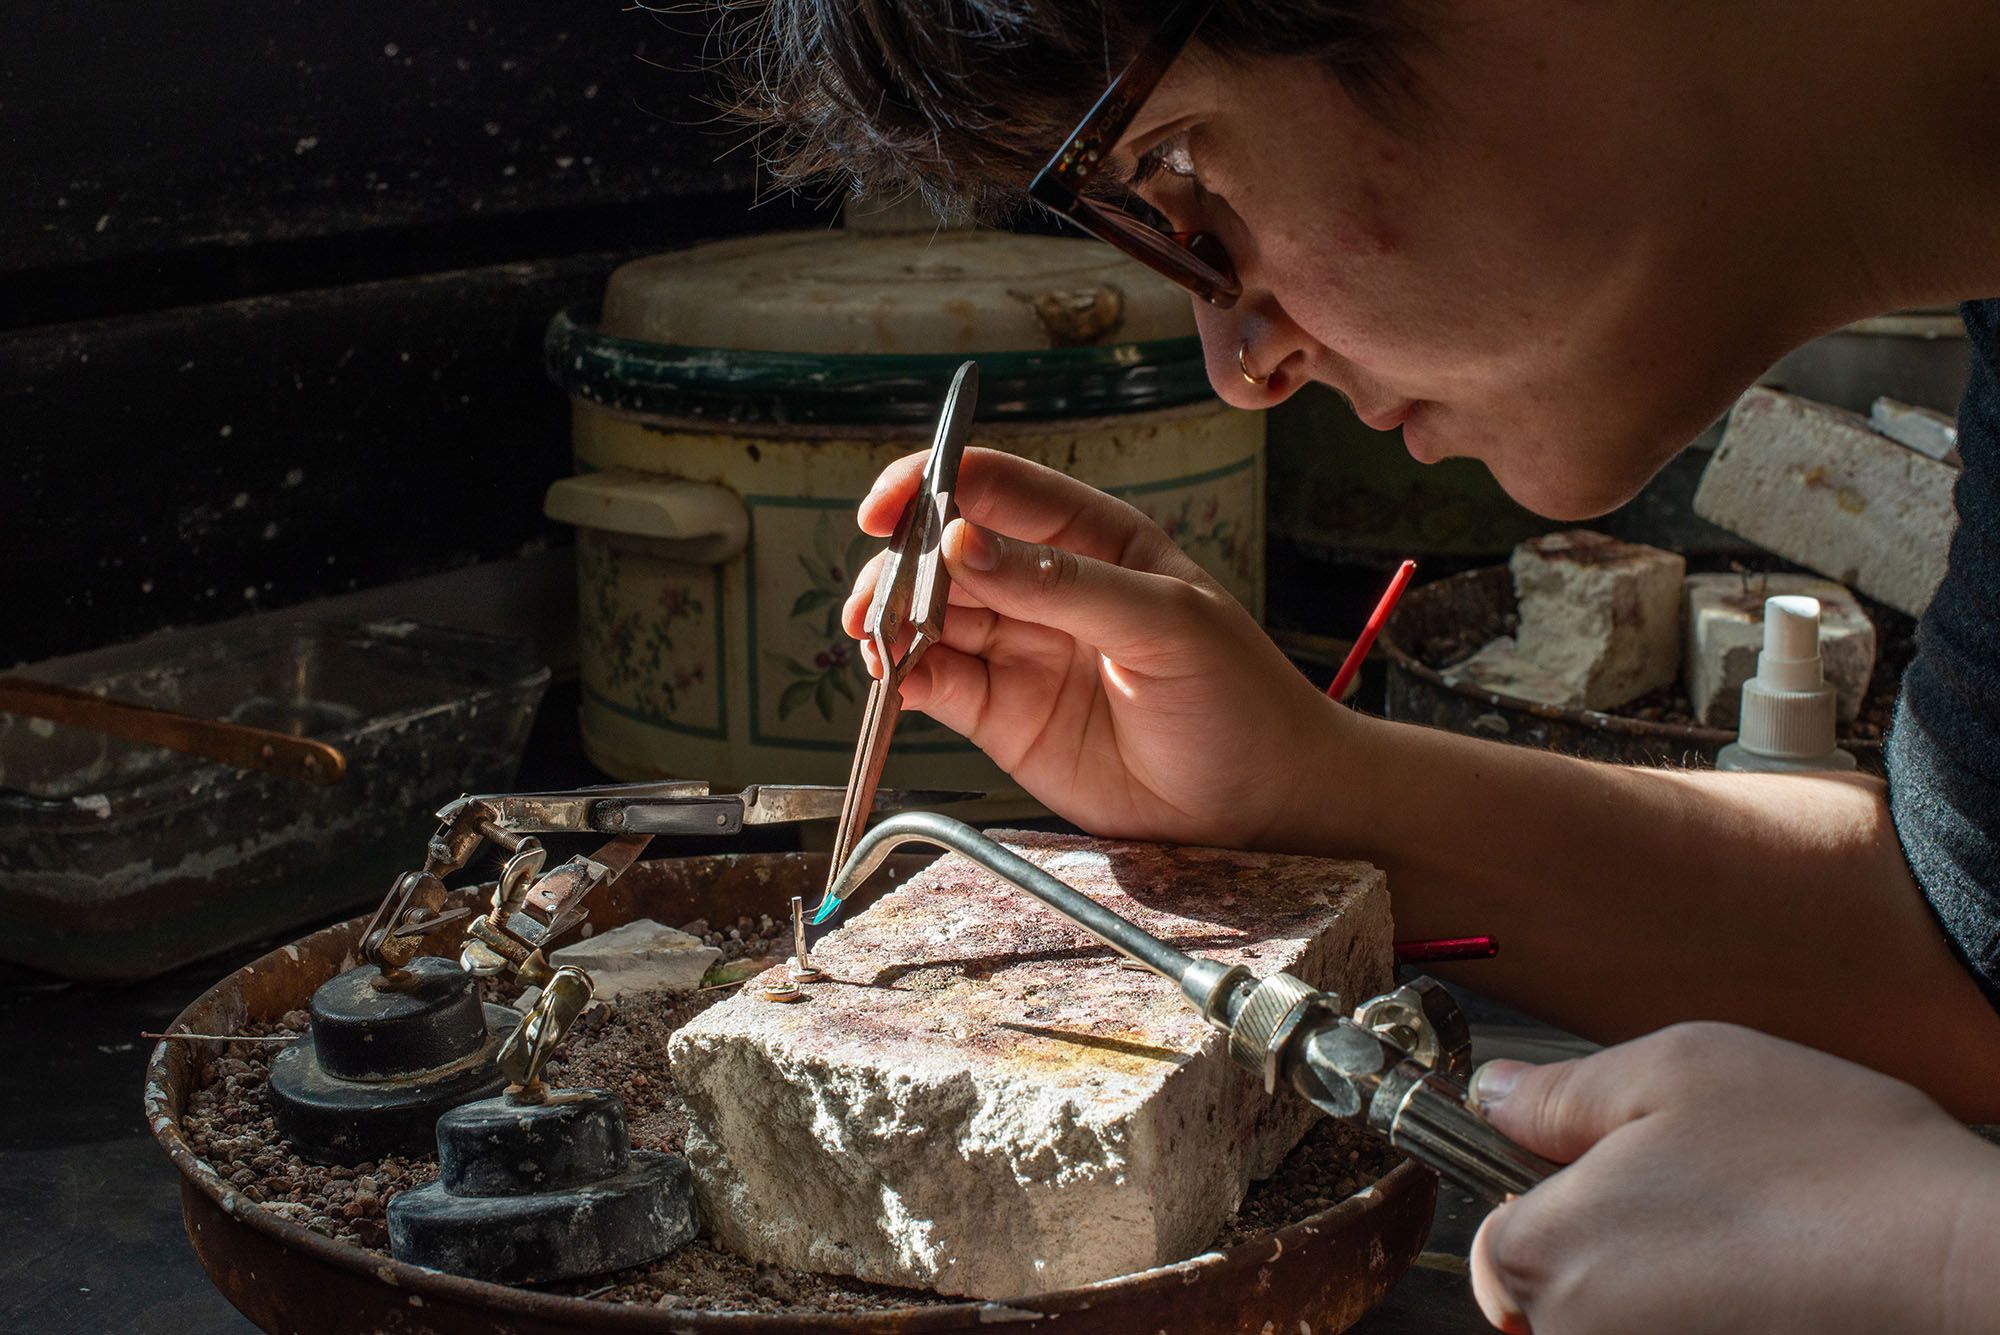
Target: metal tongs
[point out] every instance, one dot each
(531, 910)
(906, 613)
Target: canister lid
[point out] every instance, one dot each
(850, 292)
(866, 328)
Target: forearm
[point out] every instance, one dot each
(1970, 1291)
(1627, 899)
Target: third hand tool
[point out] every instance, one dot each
(906, 613)
(530, 909)
(1396, 1063)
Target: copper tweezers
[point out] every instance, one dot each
(911, 591)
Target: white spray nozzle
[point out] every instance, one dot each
(1788, 707)
(1790, 661)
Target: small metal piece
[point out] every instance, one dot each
(800, 964)
(783, 989)
(480, 960)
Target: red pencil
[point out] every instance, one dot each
(1376, 621)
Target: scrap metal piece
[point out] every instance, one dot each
(783, 990)
(800, 964)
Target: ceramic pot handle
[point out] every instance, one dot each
(698, 522)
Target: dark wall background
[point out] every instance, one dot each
(273, 277)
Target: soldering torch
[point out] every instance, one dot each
(1396, 1064)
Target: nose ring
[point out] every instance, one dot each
(1243, 365)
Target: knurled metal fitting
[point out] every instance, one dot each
(1266, 1022)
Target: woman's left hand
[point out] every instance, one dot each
(1723, 1180)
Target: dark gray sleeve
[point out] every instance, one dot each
(1944, 749)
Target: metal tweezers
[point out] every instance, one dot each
(907, 611)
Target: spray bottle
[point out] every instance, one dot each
(1788, 707)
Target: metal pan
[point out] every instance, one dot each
(1319, 1275)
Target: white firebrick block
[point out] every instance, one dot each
(978, 1099)
(1725, 630)
(1499, 667)
(1600, 616)
(640, 956)
(1817, 486)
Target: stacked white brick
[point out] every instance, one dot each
(1599, 618)
(979, 1099)
(1817, 486)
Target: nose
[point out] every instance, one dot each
(1255, 355)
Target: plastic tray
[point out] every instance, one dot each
(120, 861)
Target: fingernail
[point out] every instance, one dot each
(1493, 1082)
(975, 548)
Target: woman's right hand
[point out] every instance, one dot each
(1104, 670)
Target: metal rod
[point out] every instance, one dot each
(305, 759)
(942, 831)
(802, 969)
(1442, 948)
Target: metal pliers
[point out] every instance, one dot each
(906, 614)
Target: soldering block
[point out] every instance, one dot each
(1817, 486)
(982, 1099)
(1600, 616)
(1725, 629)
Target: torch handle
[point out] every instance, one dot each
(1425, 1115)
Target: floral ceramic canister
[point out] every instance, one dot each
(734, 402)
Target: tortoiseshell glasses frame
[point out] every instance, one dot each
(1194, 260)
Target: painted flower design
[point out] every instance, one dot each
(834, 672)
(645, 655)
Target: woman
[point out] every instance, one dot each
(1558, 236)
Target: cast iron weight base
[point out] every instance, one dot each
(380, 1067)
(530, 1192)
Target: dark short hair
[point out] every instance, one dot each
(964, 100)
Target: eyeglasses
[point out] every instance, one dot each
(1194, 260)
